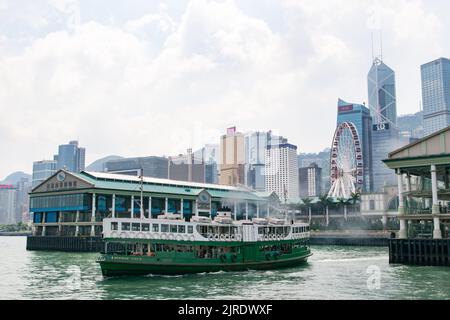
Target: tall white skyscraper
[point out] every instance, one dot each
(436, 95)
(282, 171)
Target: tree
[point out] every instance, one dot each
(307, 205)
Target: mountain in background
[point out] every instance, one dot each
(15, 177)
(97, 166)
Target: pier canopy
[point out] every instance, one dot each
(423, 174)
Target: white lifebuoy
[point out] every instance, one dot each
(227, 237)
(238, 237)
(170, 237)
(216, 237)
(148, 235)
(233, 237)
(179, 237)
(222, 237)
(192, 237)
(210, 237)
(114, 234)
(123, 235)
(141, 235)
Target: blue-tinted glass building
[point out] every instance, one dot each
(436, 95)
(382, 95)
(70, 157)
(359, 115)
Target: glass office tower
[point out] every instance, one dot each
(436, 95)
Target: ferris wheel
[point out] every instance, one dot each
(346, 162)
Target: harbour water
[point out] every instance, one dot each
(331, 273)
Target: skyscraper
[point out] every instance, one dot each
(359, 116)
(382, 95)
(232, 158)
(71, 157)
(310, 181)
(436, 95)
(255, 153)
(281, 171)
(42, 170)
(187, 168)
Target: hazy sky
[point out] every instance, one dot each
(138, 78)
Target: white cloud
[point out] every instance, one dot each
(162, 82)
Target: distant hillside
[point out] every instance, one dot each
(15, 177)
(97, 166)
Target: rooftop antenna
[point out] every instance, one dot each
(373, 54)
(381, 44)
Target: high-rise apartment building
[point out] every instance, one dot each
(310, 181)
(155, 167)
(281, 171)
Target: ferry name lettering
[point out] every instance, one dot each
(187, 310)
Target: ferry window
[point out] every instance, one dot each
(181, 229)
(145, 227)
(135, 227)
(164, 228)
(190, 229)
(114, 226)
(173, 228)
(125, 226)
(155, 227)
(260, 230)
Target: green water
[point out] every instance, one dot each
(331, 273)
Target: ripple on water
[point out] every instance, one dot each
(331, 273)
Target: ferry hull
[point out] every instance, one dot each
(116, 268)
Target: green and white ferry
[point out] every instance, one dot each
(169, 245)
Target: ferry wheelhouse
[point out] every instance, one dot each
(170, 245)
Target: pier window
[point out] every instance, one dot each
(187, 209)
(125, 226)
(158, 205)
(51, 217)
(155, 227)
(37, 217)
(174, 205)
(121, 210)
(145, 227)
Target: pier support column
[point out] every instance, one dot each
(149, 207)
(113, 206)
(403, 233)
(235, 211)
(268, 211)
(132, 207)
(93, 215)
(310, 214)
(181, 207)
(257, 209)
(166, 206)
(77, 220)
(435, 209)
(246, 210)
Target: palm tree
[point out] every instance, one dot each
(355, 197)
(344, 202)
(307, 204)
(326, 202)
